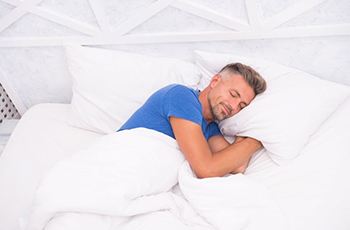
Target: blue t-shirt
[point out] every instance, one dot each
(173, 100)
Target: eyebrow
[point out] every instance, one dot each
(239, 95)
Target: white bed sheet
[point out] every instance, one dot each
(312, 191)
(41, 138)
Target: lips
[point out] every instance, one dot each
(225, 110)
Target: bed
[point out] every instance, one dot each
(310, 191)
(34, 156)
(313, 192)
(59, 169)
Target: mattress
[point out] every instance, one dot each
(41, 138)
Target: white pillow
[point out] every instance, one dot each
(109, 85)
(211, 63)
(310, 188)
(292, 108)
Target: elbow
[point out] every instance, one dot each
(206, 172)
(240, 169)
(203, 175)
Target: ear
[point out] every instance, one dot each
(214, 80)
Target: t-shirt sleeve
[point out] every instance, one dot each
(181, 102)
(213, 130)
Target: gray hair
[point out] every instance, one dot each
(253, 78)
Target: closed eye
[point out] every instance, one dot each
(233, 94)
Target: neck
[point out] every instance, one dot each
(203, 99)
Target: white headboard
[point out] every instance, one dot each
(312, 35)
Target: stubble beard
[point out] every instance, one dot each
(216, 112)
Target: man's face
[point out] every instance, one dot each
(228, 95)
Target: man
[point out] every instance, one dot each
(189, 116)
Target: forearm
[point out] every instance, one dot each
(200, 155)
(233, 158)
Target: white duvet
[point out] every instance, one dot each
(138, 179)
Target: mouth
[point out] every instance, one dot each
(226, 110)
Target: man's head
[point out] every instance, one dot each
(232, 89)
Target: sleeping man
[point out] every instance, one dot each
(190, 117)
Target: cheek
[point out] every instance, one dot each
(251, 96)
(233, 101)
(214, 97)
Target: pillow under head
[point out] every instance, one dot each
(291, 109)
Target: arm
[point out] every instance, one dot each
(198, 153)
(218, 143)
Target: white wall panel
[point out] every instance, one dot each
(172, 19)
(76, 9)
(30, 25)
(32, 58)
(328, 12)
(36, 74)
(228, 8)
(4, 9)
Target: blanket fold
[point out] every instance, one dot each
(122, 174)
(126, 180)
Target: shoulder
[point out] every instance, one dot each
(180, 91)
(182, 102)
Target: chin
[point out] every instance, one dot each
(220, 118)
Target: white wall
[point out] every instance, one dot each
(38, 73)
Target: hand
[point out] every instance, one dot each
(244, 166)
(238, 139)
